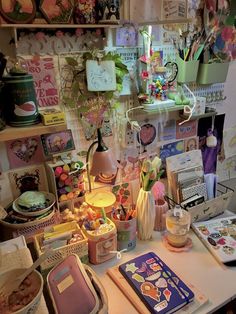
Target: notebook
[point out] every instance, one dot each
(159, 288)
(219, 236)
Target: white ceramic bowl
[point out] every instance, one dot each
(31, 307)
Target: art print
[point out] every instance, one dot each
(129, 165)
(187, 129)
(191, 144)
(57, 11)
(167, 131)
(168, 150)
(43, 71)
(57, 143)
(18, 11)
(126, 36)
(24, 151)
(123, 194)
(230, 142)
(32, 178)
(101, 75)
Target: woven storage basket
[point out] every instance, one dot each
(80, 248)
(28, 229)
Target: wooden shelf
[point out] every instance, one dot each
(11, 133)
(46, 26)
(166, 22)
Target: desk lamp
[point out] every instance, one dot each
(102, 159)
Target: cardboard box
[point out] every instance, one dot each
(52, 116)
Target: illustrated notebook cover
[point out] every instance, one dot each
(160, 289)
(219, 236)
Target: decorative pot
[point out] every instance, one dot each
(160, 219)
(145, 207)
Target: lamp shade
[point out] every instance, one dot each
(103, 162)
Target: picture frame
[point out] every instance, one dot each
(57, 12)
(31, 178)
(21, 13)
(57, 143)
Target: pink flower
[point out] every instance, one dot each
(144, 59)
(227, 33)
(144, 75)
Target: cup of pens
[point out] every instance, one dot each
(126, 225)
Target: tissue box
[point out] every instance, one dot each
(52, 116)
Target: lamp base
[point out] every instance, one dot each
(97, 200)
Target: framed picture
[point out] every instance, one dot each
(57, 12)
(18, 11)
(57, 143)
(32, 178)
(25, 151)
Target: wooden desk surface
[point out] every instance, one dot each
(198, 266)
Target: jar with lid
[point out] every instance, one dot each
(177, 224)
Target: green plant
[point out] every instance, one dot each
(78, 96)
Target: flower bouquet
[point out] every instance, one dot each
(145, 206)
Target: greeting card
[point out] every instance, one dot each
(25, 151)
(123, 194)
(168, 150)
(187, 129)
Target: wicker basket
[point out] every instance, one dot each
(28, 229)
(80, 248)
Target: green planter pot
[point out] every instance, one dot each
(212, 73)
(19, 100)
(187, 70)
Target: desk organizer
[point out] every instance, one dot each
(187, 70)
(101, 243)
(212, 73)
(210, 208)
(79, 248)
(65, 182)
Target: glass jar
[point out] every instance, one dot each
(177, 224)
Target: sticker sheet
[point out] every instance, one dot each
(156, 284)
(219, 236)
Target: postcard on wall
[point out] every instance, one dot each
(230, 142)
(187, 129)
(129, 164)
(25, 151)
(168, 150)
(226, 169)
(191, 144)
(167, 131)
(43, 71)
(57, 143)
(123, 194)
(126, 36)
(32, 178)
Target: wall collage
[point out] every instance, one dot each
(55, 60)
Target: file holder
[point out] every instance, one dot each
(211, 208)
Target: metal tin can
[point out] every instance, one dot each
(20, 100)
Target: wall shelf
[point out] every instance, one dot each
(47, 26)
(11, 133)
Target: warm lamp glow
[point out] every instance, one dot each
(102, 160)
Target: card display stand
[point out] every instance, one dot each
(212, 73)
(210, 208)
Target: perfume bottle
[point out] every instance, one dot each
(177, 224)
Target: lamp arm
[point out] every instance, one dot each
(87, 163)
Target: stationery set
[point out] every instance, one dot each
(219, 237)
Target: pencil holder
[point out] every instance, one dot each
(126, 233)
(212, 73)
(187, 70)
